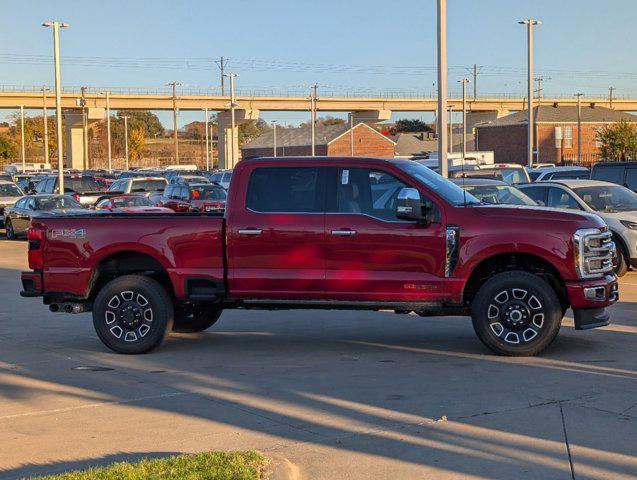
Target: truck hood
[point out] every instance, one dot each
(8, 201)
(528, 212)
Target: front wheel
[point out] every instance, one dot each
(132, 313)
(8, 228)
(516, 313)
(620, 261)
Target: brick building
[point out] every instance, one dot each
(555, 133)
(331, 140)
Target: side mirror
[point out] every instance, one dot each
(409, 206)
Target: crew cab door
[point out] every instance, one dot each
(372, 255)
(275, 236)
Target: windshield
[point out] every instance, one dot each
(148, 185)
(443, 187)
(208, 193)
(80, 185)
(56, 203)
(10, 191)
(120, 202)
(534, 175)
(611, 198)
(503, 194)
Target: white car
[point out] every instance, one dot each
(9, 194)
(559, 173)
(222, 177)
(616, 205)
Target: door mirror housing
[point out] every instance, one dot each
(409, 206)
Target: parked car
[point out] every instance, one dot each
(511, 173)
(9, 194)
(129, 204)
(308, 233)
(222, 177)
(82, 188)
(541, 174)
(138, 185)
(621, 173)
(170, 174)
(17, 218)
(616, 205)
(199, 197)
(494, 191)
(188, 179)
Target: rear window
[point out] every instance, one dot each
(81, 185)
(208, 193)
(291, 189)
(120, 202)
(56, 203)
(609, 173)
(148, 185)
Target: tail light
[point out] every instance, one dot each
(36, 235)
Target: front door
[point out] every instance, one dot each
(276, 235)
(372, 255)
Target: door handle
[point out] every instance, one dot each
(344, 232)
(250, 231)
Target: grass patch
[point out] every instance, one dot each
(201, 466)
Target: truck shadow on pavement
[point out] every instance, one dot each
(376, 394)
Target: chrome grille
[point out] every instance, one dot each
(594, 252)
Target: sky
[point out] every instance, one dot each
(351, 46)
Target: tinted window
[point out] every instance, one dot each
(21, 203)
(631, 178)
(168, 192)
(30, 204)
(148, 185)
(536, 193)
(81, 185)
(227, 176)
(55, 203)
(505, 194)
(609, 173)
(289, 189)
(184, 194)
(613, 198)
(534, 175)
(8, 190)
(208, 192)
(583, 175)
(559, 198)
(131, 202)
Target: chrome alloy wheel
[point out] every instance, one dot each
(515, 316)
(128, 316)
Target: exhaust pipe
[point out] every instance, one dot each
(54, 307)
(68, 307)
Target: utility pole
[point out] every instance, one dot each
(475, 81)
(442, 88)
(222, 67)
(175, 138)
(126, 141)
(351, 133)
(46, 125)
(464, 117)
(212, 149)
(610, 96)
(108, 131)
(24, 159)
(58, 102)
(274, 137)
(530, 23)
(579, 127)
(450, 128)
(205, 112)
(538, 92)
(233, 105)
(84, 129)
(313, 99)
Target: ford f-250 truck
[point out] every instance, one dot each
(331, 233)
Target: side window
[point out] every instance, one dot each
(31, 204)
(366, 191)
(227, 176)
(184, 194)
(559, 198)
(39, 188)
(536, 193)
(631, 179)
(21, 203)
(168, 191)
(609, 173)
(284, 189)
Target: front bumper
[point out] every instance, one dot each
(589, 299)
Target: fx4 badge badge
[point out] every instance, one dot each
(68, 232)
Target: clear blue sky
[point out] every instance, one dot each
(583, 45)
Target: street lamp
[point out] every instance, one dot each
(274, 137)
(579, 127)
(58, 102)
(205, 112)
(530, 23)
(126, 139)
(46, 126)
(442, 88)
(313, 99)
(24, 160)
(464, 117)
(232, 76)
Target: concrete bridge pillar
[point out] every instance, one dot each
(75, 135)
(226, 158)
(371, 116)
(473, 118)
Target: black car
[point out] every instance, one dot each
(621, 173)
(83, 188)
(17, 218)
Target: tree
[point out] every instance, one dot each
(136, 142)
(34, 135)
(143, 119)
(8, 148)
(250, 130)
(618, 141)
(411, 125)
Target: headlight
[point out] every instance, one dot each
(629, 224)
(594, 252)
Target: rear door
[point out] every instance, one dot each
(372, 255)
(276, 234)
(631, 178)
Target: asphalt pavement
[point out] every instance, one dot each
(341, 395)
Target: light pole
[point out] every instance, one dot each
(46, 125)
(579, 127)
(313, 99)
(351, 133)
(58, 102)
(450, 128)
(464, 117)
(530, 23)
(24, 160)
(274, 137)
(84, 128)
(232, 76)
(175, 139)
(126, 140)
(610, 96)
(442, 88)
(205, 112)
(108, 131)
(212, 149)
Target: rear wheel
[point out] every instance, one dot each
(516, 313)
(199, 319)
(131, 314)
(8, 227)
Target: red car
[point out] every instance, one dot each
(130, 204)
(196, 197)
(330, 233)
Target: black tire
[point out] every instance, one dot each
(8, 228)
(620, 262)
(201, 318)
(516, 313)
(132, 313)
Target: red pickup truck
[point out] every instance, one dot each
(329, 233)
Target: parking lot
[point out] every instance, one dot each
(336, 394)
